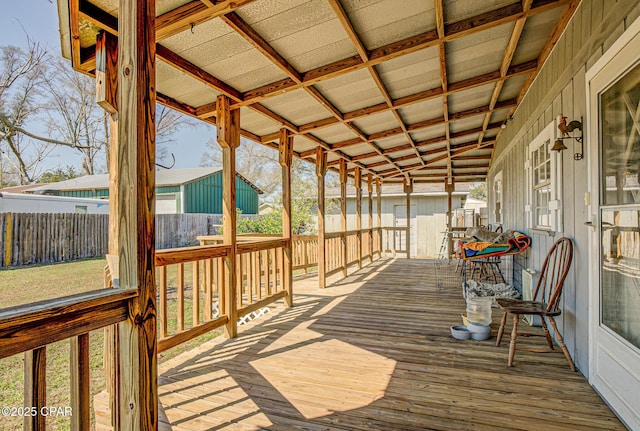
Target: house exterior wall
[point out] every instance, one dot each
(26, 203)
(560, 89)
(201, 196)
(431, 219)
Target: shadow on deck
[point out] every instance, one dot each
(372, 352)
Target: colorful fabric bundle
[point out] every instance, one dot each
(515, 244)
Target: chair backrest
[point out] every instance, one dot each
(554, 270)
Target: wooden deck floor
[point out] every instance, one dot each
(372, 352)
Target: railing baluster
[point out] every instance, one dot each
(251, 279)
(267, 270)
(80, 383)
(35, 387)
(180, 296)
(280, 253)
(274, 271)
(195, 293)
(208, 300)
(162, 303)
(260, 293)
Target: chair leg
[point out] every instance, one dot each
(497, 268)
(561, 343)
(501, 330)
(546, 333)
(514, 335)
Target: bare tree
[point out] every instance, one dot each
(21, 74)
(73, 115)
(33, 87)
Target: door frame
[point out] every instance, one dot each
(615, 62)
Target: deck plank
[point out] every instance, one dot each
(373, 352)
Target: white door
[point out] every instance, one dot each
(166, 204)
(400, 212)
(614, 152)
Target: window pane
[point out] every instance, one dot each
(620, 273)
(547, 169)
(541, 196)
(620, 139)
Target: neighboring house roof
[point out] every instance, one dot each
(419, 189)
(472, 203)
(164, 178)
(20, 189)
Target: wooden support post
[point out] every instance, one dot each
(449, 187)
(379, 214)
(285, 156)
(370, 204)
(343, 214)
(228, 124)
(35, 387)
(408, 188)
(321, 170)
(138, 376)
(107, 98)
(358, 185)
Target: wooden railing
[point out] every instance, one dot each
(191, 289)
(334, 260)
(393, 238)
(194, 277)
(304, 250)
(30, 328)
(334, 243)
(260, 267)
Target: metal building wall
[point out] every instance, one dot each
(205, 196)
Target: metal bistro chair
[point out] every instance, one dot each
(552, 275)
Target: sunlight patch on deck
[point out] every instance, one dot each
(209, 401)
(301, 335)
(318, 387)
(330, 306)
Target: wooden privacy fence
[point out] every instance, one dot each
(30, 238)
(182, 230)
(47, 237)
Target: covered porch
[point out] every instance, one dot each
(372, 351)
(404, 95)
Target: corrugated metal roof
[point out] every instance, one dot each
(351, 76)
(164, 178)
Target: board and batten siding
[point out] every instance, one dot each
(560, 89)
(205, 196)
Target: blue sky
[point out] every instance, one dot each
(39, 19)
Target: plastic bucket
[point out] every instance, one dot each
(479, 310)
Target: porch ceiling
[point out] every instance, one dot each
(396, 91)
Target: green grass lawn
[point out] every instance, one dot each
(26, 285)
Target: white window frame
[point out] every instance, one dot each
(554, 206)
(498, 192)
